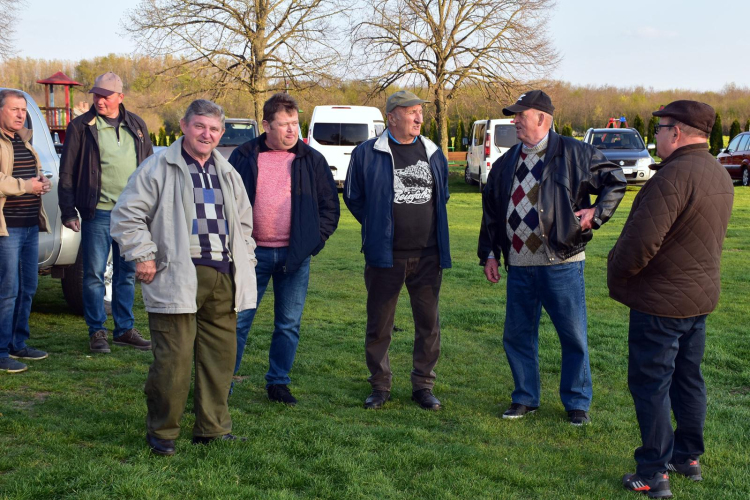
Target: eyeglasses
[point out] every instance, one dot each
(658, 127)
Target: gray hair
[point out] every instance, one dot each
(5, 93)
(204, 107)
(691, 131)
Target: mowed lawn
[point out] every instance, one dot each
(73, 425)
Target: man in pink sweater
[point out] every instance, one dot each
(295, 210)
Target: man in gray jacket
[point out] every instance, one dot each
(186, 221)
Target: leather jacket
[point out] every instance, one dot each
(572, 172)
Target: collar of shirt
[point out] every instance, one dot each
(394, 139)
(190, 160)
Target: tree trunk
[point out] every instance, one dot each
(441, 117)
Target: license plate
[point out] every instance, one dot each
(627, 170)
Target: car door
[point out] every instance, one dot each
(730, 157)
(476, 150)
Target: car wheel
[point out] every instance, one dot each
(72, 285)
(746, 177)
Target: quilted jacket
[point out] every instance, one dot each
(666, 261)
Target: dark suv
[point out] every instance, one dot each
(736, 158)
(623, 147)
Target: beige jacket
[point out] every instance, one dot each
(152, 220)
(11, 186)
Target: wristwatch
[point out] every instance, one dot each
(596, 223)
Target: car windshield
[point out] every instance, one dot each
(617, 140)
(237, 134)
(505, 136)
(340, 134)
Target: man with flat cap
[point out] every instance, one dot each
(665, 268)
(102, 149)
(397, 188)
(538, 214)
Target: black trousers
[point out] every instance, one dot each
(664, 373)
(422, 276)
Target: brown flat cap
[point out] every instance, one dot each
(696, 114)
(536, 99)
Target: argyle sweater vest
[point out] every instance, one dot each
(524, 228)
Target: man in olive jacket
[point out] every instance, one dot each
(665, 267)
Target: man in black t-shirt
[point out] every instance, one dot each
(21, 218)
(404, 239)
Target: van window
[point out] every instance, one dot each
(505, 136)
(479, 134)
(340, 134)
(237, 134)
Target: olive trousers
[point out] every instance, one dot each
(209, 338)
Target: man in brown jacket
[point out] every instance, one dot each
(665, 267)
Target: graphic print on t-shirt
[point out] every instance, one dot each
(413, 184)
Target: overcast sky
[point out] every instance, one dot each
(699, 45)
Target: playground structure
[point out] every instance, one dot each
(57, 117)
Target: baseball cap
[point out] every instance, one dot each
(696, 114)
(107, 84)
(402, 98)
(535, 99)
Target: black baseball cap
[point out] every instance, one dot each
(535, 99)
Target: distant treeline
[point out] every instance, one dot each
(160, 94)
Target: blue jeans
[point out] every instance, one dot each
(19, 275)
(289, 294)
(560, 290)
(664, 372)
(96, 243)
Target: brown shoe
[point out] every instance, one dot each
(98, 342)
(132, 338)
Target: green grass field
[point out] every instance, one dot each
(73, 425)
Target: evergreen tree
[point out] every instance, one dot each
(556, 126)
(716, 139)
(747, 125)
(434, 132)
(450, 134)
(172, 138)
(651, 126)
(152, 136)
(305, 128)
(734, 129)
(639, 125)
(567, 130)
(162, 137)
(460, 134)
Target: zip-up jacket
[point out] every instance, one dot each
(12, 186)
(153, 220)
(572, 172)
(368, 193)
(80, 166)
(315, 200)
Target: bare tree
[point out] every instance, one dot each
(446, 45)
(255, 45)
(10, 9)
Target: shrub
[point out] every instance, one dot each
(734, 129)
(716, 139)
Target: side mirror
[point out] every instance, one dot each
(651, 145)
(465, 141)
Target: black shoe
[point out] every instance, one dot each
(279, 393)
(28, 353)
(655, 487)
(579, 417)
(377, 399)
(160, 446)
(426, 399)
(689, 468)
(10, 365)
(225, 437)
(518, 410)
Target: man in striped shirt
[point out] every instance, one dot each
(21, 217)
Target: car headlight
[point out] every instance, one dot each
(644, 162)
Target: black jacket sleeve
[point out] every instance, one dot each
(69, 162)
(328, 199)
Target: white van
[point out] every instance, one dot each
(336, 130)
(489, 140)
